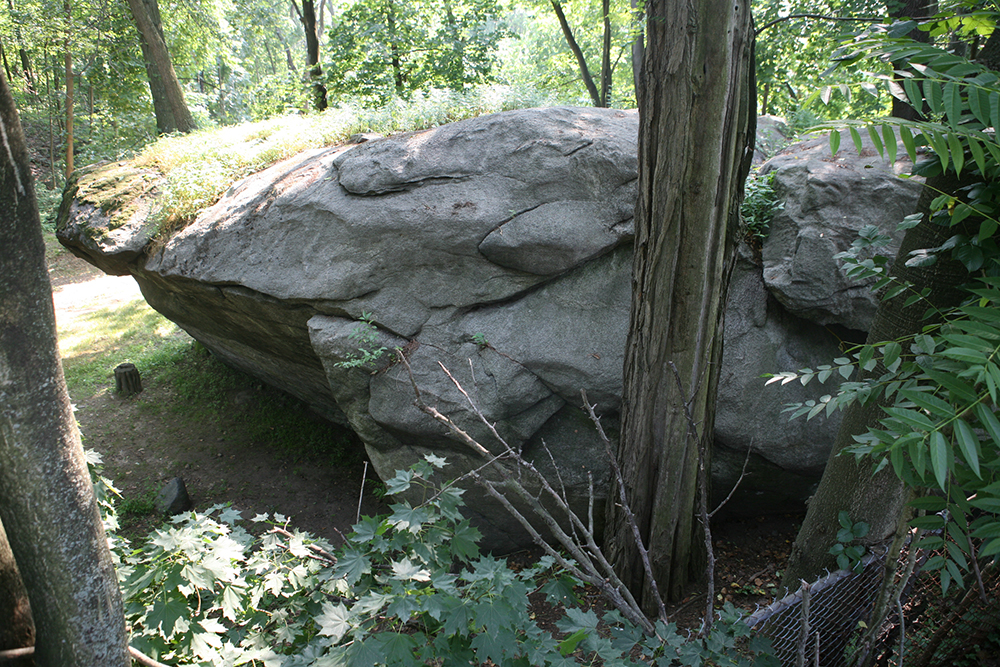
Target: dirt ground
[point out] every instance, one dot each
(144, 445)
(144, 448)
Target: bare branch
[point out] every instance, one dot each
(640, 546)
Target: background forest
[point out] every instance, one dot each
(244, 60)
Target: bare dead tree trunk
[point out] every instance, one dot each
(695, 142)
(47, 503)
(581, 60)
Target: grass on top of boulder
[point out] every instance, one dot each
(186, 173)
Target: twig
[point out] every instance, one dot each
(592, 567)
(975, 568)
(144, 659)
(743, 473)
(28, 651)
(361, 496)
(321, 554)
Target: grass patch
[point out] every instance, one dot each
(200, 167)
(201, 388)
(94, 343)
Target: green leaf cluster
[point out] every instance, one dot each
(938, 388)
(410, 588)
(849, 555)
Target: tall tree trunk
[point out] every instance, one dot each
(695, 143)
(456, 68)
(581, 60)
(47, 503)
(307, 16)
(162, 78)
(638, 48)
(68, 60)
(395, 58)
(29, 78)
(6, 65)
(288, 51)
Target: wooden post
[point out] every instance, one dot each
(127, 380)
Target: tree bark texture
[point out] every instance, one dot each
(848, 485)
(47, 503)
(162, 77)
(308, 18)
(695, 143)
(17, 629)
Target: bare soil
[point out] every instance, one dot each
(145, 443)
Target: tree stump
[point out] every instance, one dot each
(127, 380)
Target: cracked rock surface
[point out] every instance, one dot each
(499, 247)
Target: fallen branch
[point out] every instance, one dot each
(29, 651)
(320, 553)
(591, 565)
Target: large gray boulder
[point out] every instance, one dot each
(828, 199)
(498, 248)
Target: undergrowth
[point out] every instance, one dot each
(410, 588)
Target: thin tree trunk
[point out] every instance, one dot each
(695, 143)
(394, 55)
(288, 51)
(163, 78)
(6, 65)
(638, 49)
(68, 59)
(47, 503)
(606, 53)
(581, 60)
(457, 53)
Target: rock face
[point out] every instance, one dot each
(827, 200)
(498, 247)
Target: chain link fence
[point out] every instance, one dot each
(824, 623)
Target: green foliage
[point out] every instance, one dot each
(407, 589)
(480, 340)
(369, 351)
(760, 203)
(789, 83)
(849, 555)
(381, 49)
(938, 388)
(536, 56)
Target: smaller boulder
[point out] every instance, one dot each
(174, 498)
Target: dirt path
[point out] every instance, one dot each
(150, 438)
